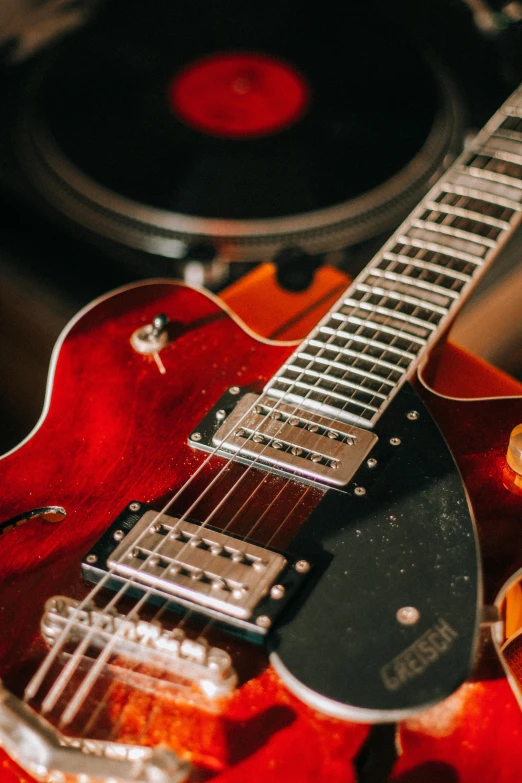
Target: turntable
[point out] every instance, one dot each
(226, 132)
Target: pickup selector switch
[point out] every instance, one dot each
(152, 337)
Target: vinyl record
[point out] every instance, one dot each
(252, 126)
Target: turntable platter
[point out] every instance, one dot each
(253, 128)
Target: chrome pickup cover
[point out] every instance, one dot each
(295, 441)
(197, 563)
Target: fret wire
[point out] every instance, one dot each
(413, 281)
(335, 395)
(442, 229)
(442, 249)
(358, 355)
(504, 155)
(492, 176)
(333, 379)
(379, 327)
(411, 266)
(419, 282)
(429, 265)
(373, 342)
(404, 297)
(438, 206)
(366, 341)
(511, 135)
(392, 313)
(346, 367)
(490, 187)
(459, 190)
(456, 233)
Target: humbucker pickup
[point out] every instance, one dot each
(284, 438)
(195, 566)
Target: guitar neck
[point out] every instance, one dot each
(355, 360)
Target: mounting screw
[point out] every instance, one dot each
(277, 592)
(408, 615)
(371, 463)
(118, 535)
(412, 415)
(196, 436)
(92, 558)
(263, 621)
(360, 491)
(221, 415)
(395, 441)
(134, 506)
(302, 566)
(234, 390)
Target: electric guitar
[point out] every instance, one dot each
(219, 550)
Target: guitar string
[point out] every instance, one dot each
(338, 354)
(374, 365)
(68, 670)
(439, 278)
(398, 305)
(104, 657)
(282, 524)
(88, 680)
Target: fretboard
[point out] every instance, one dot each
(371, 341)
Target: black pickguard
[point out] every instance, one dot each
(410, 541)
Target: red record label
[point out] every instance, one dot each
(238, 95)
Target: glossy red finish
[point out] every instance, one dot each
(116, 430)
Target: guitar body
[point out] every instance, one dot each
(115, 430)
(102, 444)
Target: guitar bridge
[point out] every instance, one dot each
(194, 566)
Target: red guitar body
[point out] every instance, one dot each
(115, 430)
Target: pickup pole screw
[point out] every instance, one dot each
(91, 558)
(395, 441)
(118, 535)
(221, 415)
(234, 390)
(360, 491)
(408, 615)
(134, 506)
(263, 621)
(196, 436)
(372, 462)
(277, 592)
(302, 566)
(412, 415)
